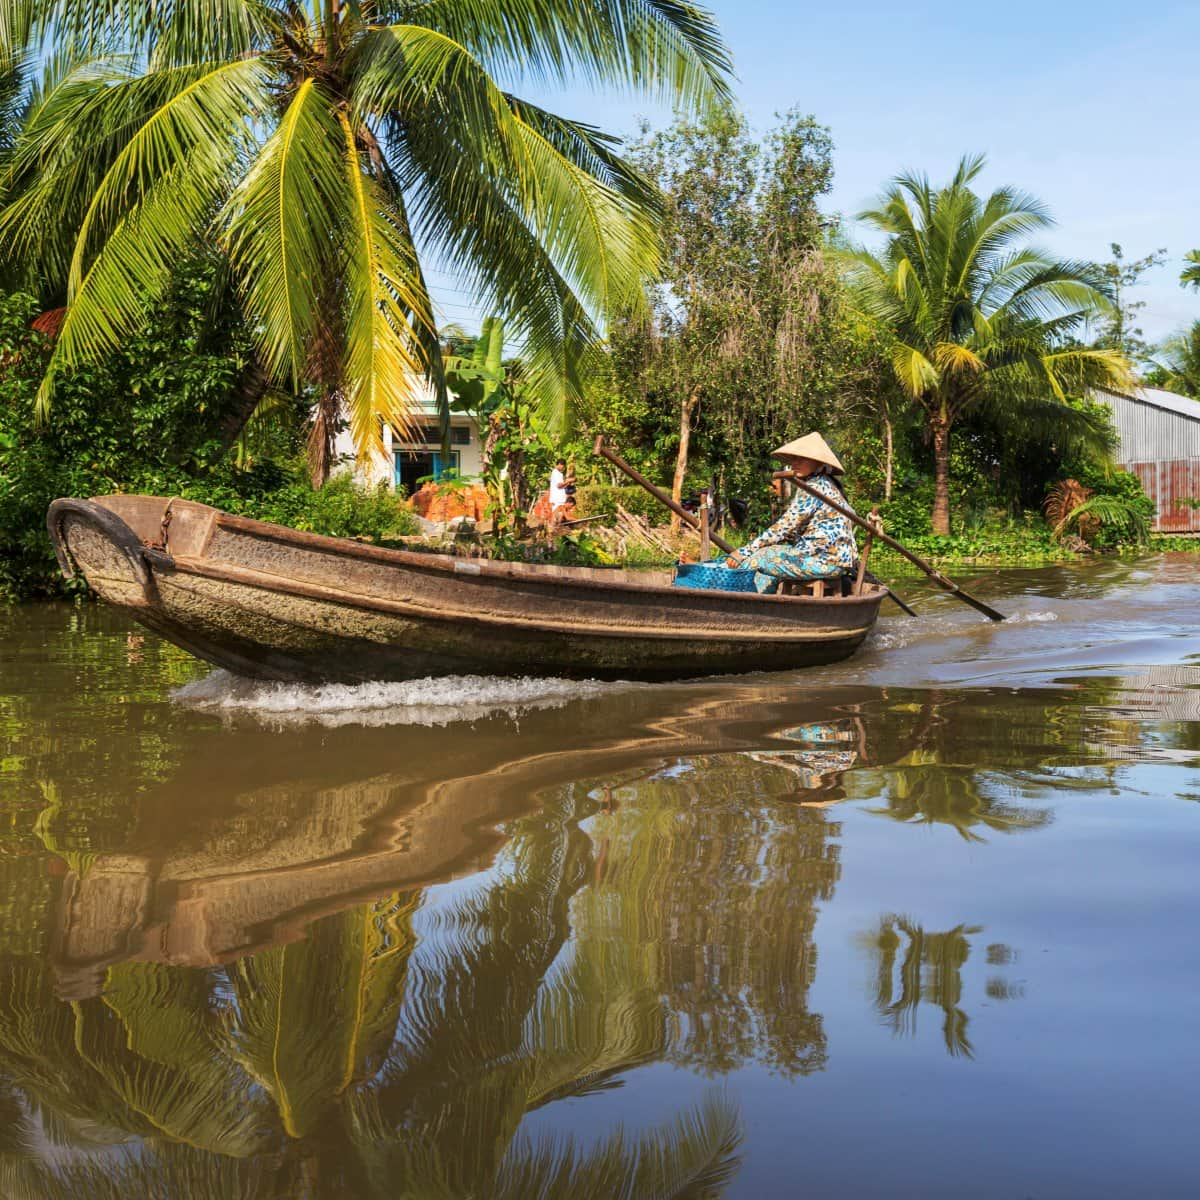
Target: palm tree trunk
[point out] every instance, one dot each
(890, 459)
(254, 385)
(686, 410)
(940, 427)
(321, 434)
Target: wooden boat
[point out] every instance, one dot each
(275, 603)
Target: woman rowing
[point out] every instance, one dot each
(810, 540)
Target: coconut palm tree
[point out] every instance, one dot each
(978, 317)
(331, 149)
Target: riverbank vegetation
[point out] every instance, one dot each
(196, 304)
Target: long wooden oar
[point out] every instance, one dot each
(617, 461)
(948, 584)
(600, 449)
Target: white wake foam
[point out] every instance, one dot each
(414, 702)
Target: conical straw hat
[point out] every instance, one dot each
(814, 446)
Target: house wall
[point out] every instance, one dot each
(380, 468)
(1150, 431)
(470, 460)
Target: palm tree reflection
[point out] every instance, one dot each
(661, 913)
(394, 1050)
(914, 967)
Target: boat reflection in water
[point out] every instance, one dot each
(305, 985)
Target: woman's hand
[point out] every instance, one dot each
(733, 561)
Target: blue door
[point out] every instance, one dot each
(409, 466)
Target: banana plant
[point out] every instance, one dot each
(477, 380)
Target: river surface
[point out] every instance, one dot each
(921, 924)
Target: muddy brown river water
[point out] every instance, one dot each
(920, 924)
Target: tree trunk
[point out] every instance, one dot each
(890, 460)
(686, 410)
(321, 434)
(940, 425)
(253, 387)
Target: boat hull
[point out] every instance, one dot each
(276, 603)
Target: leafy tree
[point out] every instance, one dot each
(318, 146)
(159, 416)
(977, 318)
(740, 340)
(1118, 329)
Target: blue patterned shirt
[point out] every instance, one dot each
(811, 527)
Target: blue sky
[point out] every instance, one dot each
(1093, 107)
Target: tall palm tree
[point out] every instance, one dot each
(331, 149)
(978, 317)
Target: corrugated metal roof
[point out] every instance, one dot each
(1154, 426)
(1160, 398)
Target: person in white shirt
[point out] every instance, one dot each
(560, 482)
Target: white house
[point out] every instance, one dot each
(407, 459)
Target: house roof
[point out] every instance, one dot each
(1160, 398)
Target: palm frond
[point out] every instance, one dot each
(178, 1086)
(1114, 511)
(671, 49)
(915, 373)
(130, 273)
(534, 235)
(278, 229)
(388, 311)
(166, 32)
(207, 116)
(1190, 275)
(693, 1159)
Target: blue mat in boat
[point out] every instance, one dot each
(714, 577)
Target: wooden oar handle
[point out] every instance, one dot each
(929, 570)
(617, 461)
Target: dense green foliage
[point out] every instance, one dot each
(757, 324)
(746, 337)
(327, 150)
(155, 419)
(737, 314)
(602, 499)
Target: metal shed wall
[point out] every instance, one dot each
(1155, 425)
(1160, 444)
(1168, 483)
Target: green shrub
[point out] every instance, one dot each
(1126, 487)
(149, 421)
(1174, 542)
(342, 508)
